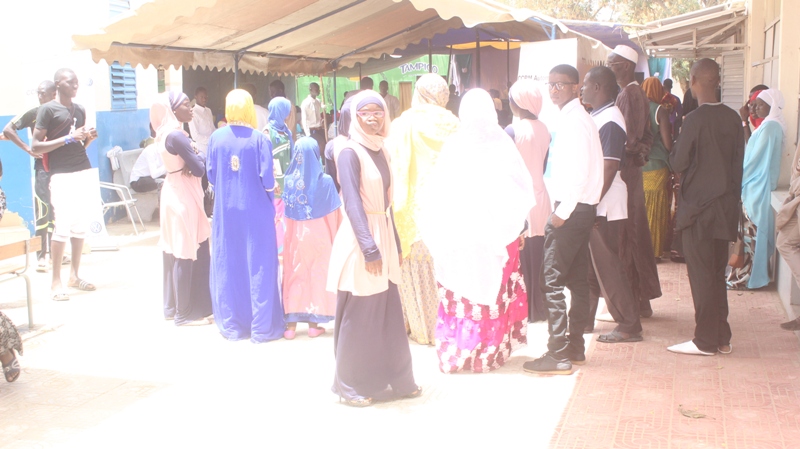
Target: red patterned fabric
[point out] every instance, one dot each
(480, 338)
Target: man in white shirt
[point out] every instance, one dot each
(575, 187)
(608, 276)
(311, 116)
(148, 171)
(392, 102)
(202, 124)
(262, 114)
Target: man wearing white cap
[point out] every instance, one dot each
(636, 247)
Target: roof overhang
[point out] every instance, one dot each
(297, 36)
(706, 33)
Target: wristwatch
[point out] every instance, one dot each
(745, 123)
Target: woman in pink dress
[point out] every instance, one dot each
(533, 140)
(184, 227)
(312, 218)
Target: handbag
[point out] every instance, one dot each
(736, 260)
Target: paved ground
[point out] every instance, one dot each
(106, 370)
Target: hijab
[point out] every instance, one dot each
(774, 98)
(308, 192)
(239, 109)
(357, 133)
(756, 121)
(414, 143)
(162, 115)
(655, 92)
(467, 229)
(430, 89)
(526, 95)
(343, 127)
(279, 110)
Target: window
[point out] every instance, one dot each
(123, 86)
(772, 53)
(116, 7)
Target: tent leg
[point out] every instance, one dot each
(430, 56)
(236, 71)
(478, 57)
(508, 62)
(335, 119)
(450, 67)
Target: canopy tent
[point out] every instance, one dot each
(706, 33)
(296, 37)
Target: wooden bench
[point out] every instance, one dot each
(14, 271)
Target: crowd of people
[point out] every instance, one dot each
(387, 231)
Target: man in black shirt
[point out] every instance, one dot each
(44, 215)
(62, 138)
(709, 155)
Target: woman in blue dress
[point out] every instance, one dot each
(762, 165)
(244, 256)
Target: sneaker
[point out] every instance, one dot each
(576, 356)
(547, 364)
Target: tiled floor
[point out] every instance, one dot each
(109, 372)
(630, 395)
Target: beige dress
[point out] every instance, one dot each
(184, 225)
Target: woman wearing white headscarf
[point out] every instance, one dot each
(473, 232)
(373, 359)
(762, 165)
(533, 142)
(416, 139)
(184, 226)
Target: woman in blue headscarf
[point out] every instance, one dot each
(312, 219)
(762, 165)
(282, 145)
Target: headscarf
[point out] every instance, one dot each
(774, 98)
(308, 192)
(655, 92)
(239, 109)
(414, 143)
(343, 127)
(279, 110)
(467, 228)
(756, 121)
(357, 133)
(162, 115)
(526, 95)
(430, 89)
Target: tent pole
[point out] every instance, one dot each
(430, 56)
(450, 66)
(478, 57)
(324, 113)
(508, 61)
(236, 71)
(359, 75)
(335, 119)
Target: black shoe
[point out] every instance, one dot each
(793, 325)
(576, 356)
(547, 364)
(645, 310)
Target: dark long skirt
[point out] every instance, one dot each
(187, 295)
(373, 359)
(636, 246)
(531, 259)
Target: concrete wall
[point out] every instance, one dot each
(762, 13)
